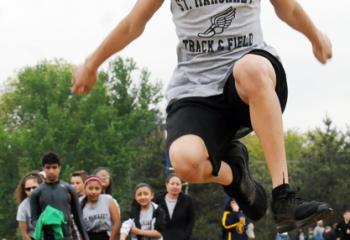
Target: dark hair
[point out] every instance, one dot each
(81, 173)
(50, 158)
(140, 185)
(20, 194)
(170, 176)
(227, 204)
(108, 189)
(135, 206)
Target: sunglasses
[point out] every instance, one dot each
(105, 177)
(27, 189)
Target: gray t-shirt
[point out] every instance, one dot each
(146, 217)
(97, 217)
(23, 215)
(212, 35)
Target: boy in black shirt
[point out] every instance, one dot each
(59, 195)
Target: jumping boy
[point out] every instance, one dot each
(227, 82)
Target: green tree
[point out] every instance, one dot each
(326, 167)
(114, 126)
(119, 126)
(9, 171)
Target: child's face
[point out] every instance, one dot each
(234, 206)
(29, 186)
(78, 184)
(93, 190)
(143, 196)
(106, 178)
(52, 172)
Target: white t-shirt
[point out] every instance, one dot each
(23, 215)
(170, 203)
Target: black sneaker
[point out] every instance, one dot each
(249, 194)
(291, 212)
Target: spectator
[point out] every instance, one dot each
(282, 236)
(77, 180)
(311, 235)
(301, 235)
(343, 227)
(319, 230)
(329, 233)
(250, 231)
(147, 219)
(23, 191)
(100, 213)
(178, 209)
(233, 222)
(105, 174)
(60, 196)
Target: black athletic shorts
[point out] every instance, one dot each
(103, 235)
(220, 118)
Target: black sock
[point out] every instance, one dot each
(279, 189)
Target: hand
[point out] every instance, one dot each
(84, 79)
(135, 230)
(122, 236)
(323, 48)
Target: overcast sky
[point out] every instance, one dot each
(33, 30)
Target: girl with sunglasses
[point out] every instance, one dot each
(23, 191)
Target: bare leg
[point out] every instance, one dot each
(255, 83)
(190, 159)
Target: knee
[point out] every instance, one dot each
(253, 74)
(186, 158)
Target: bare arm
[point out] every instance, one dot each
(294, 15)
(24, 230)
(124, 33)
(115, 215)
(146, 233)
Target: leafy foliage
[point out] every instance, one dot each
(119, 126)
(115, 126)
